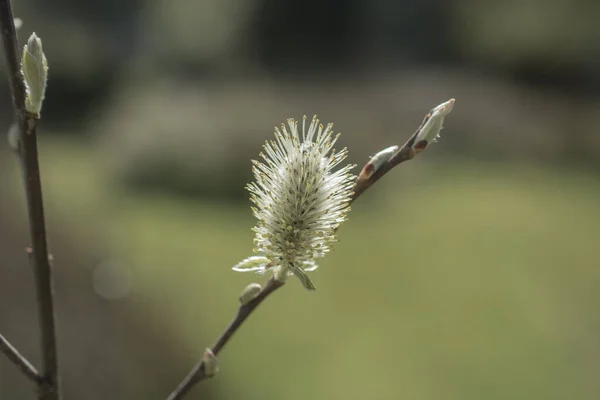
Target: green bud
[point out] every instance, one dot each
(35, 71)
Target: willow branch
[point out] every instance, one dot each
(19, 360)
(382, 163)
(199, 373)
(378, 166)
(404, 154)
(27, 124)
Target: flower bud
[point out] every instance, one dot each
(35, 71)
(249, 293)
(429, 131)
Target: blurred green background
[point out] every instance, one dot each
(470, 272)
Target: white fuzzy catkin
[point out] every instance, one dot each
(299, 200)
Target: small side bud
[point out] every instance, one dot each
(249, 293)
(35, 71)
(377, 161)
(18, 23)
(211, 363)
(30, 254)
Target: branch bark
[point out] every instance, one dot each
(417, 143)
(405, 153)
(198, 373)
(20, 361)
(27, 124)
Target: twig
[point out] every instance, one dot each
(404, 154)
(27, 124)
(417, 143)
(371, 173)
(20, 361)
(12, 52)
(198, 373)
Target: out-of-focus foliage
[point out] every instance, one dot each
(199, 140)
(111, 344)
(512, 32)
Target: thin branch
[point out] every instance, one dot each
(27, 124)
(12, 54)
(20, 361)
(378, 166)
(404, 154)
(198, 373)
(417, 143)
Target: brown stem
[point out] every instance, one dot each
(12, 54)
(27, 124)
(20, 361)
(198, 373)
(404, 154)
